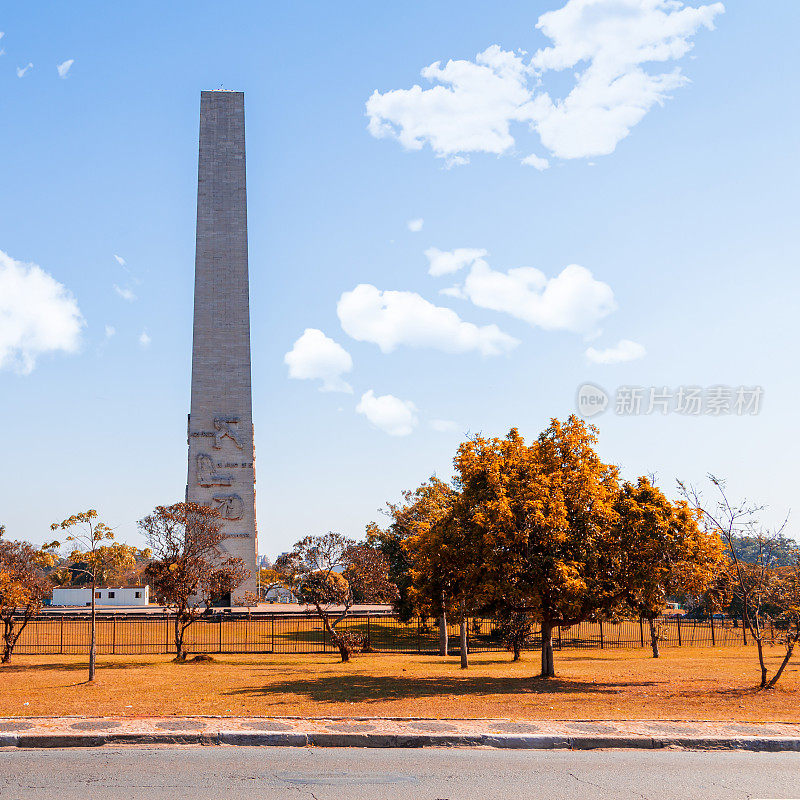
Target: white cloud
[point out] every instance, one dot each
(390, 319)
(606, 43)
(442, 262)
(144, 339)
(537, 163)
(64, 67)
(314, 355)
(21, 71)
(37, 315)
(125, 293)
(444, 425)
(574, 300)
(415, 225)
(471, 109)
(625, 350)
(388, 413)
(110, 331)
(120, 260)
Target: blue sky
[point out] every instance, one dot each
(677, 199)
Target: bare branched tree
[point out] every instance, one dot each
(767, 594)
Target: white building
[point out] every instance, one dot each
(103, 596)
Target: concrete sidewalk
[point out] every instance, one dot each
(381, 732)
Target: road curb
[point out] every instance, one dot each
(401, 740)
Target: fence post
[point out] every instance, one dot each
(61, 646)
(679, 630)
(369, 643)
(641, 632)
(601, 634)
(272, 632)
(713, 641)
(114, 635)
(559, 637)
(419, 644)
(221, 623)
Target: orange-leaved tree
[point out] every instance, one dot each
(87, 534)
(189, 569)
(543, 514)
(329, 572)
(415, 517)
(23, 586)
(662, 551)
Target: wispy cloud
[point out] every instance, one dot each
(125, 293)
(64, 67)
(442, 262)
(110, 331)
(624, 350)
(22, 71)
(415, 225)
(444, 425)
(144, 339)
(120, 260)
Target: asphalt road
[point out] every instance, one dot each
(231, 773)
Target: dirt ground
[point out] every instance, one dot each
(685, 683)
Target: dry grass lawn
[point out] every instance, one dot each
(685, 683)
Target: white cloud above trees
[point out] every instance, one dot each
(476, 106)
(38, 315)
(388, 413)
(574, 300)
(315, 356)
(391, 319)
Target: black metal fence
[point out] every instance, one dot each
(301, 633)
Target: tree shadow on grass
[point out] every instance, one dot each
(71, 667)
(375, 689)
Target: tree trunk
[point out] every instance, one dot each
(8, 628)
(462, 636)
(180, 630)
(443, 634)
(653, 637)
(760, 647)
(517, 649)
(93, 645)
(789, 649)
(548, 668)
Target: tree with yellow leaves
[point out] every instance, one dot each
(88, 533)
(543, 513)
(411, 521)
(23, 586)
(662, 551)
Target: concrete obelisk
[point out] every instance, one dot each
(221, 451)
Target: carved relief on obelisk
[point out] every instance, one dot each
(221, 452)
